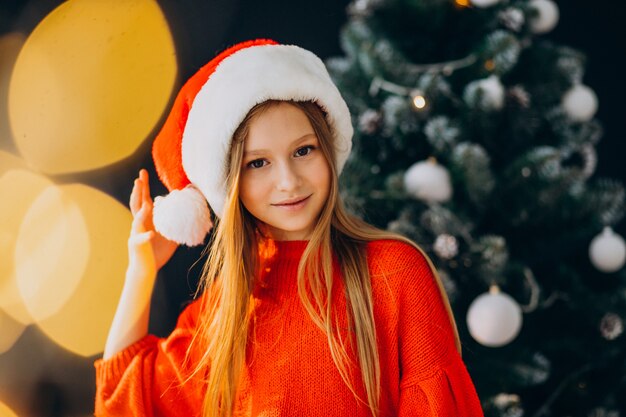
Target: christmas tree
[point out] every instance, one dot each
(475, 136)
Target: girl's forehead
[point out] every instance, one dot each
(278, 125)
(261, 146)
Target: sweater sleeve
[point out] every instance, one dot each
(434, 380)
(150, 377)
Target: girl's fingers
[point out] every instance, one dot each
(140, 238)
(134, 201)
(140, 192)
(143, 175)
(140, 221)
(137, 224)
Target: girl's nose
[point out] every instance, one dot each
(287, 177)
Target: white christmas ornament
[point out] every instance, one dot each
(487, 93)
(547, 16)
(484, 3)
(494, 319)
(607, 251)
(428, 181)
(580, 103)
(494, 91)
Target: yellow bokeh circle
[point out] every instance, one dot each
(5, 411)
(8, 161)
(51, 252)
(11, 331)
(10, 45)
(19, 188)
(90, 84)
(82, 323)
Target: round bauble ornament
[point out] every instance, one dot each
(486, 94)
(607, 251)
(428, 181)
(580, 103)
(494, 319)
(546, 18)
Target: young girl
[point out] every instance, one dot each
(303, 310)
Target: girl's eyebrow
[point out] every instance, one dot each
(262, 151)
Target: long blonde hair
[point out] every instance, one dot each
(230, 281)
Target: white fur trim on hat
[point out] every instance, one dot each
(249, 77)
(182, 216)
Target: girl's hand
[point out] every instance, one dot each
(148, 250)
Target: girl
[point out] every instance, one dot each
(303, 310)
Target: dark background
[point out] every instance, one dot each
(202, 28)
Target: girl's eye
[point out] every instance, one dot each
(257, 163)
(305, 150)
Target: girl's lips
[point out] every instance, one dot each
(293, 206)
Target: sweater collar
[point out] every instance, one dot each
(290, 249)
(279, 261)
(282, 249)
(271, 250)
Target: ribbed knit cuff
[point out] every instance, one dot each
(113, 368)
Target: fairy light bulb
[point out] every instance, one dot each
(462, 3)
(419, 101)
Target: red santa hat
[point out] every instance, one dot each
(190, 150)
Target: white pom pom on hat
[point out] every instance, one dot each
(190, 150)
(188, 203)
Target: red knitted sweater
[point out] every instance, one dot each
(289, 370)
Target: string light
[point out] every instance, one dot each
(419, 101)
(417, 70)
(462, 3)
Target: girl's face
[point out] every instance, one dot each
(285, 178)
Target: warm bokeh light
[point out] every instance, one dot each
(462, 3)
(18, 190)
(90, 83)
(82, 323)
(419, 101)
(10, 46)
(9, 161)
(10, 331)
(51, 252)
(5, 411)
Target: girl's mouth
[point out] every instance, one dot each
(294, 204)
